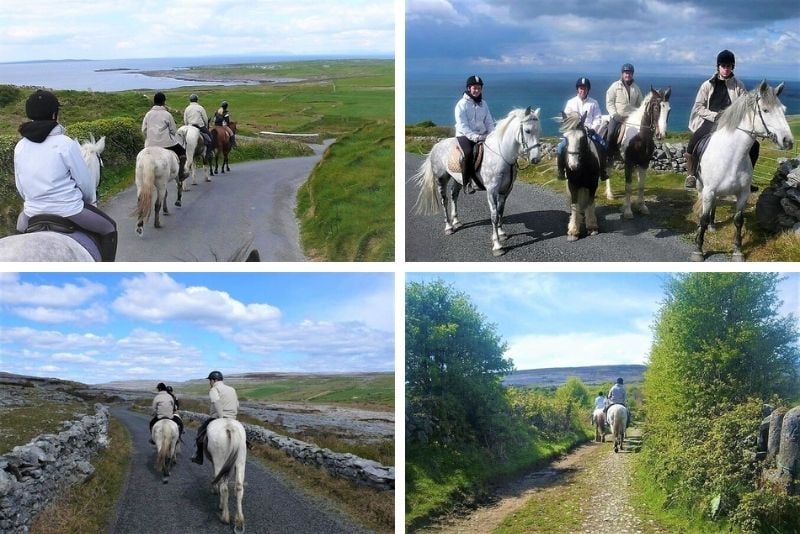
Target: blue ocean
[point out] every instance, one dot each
(432, 97)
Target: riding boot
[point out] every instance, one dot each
(691, 180)
(233, 141)
(108, 246)
(562, 171)
(198, 456)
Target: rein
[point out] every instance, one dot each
(525, 147)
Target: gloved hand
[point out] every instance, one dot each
(590, 132)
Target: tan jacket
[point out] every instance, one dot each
(224, 402)
(163, 405)
(195, 115)
(700, 111)
(159, 128)
(620, 103)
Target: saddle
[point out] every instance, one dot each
(455, 159)
(47, 222)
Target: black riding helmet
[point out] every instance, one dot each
(583, 81)
(627, 67)
(726, 57)
(169, 389)
(41, 105)
(159, 99)
(161, 387)
(224, 104)
(215, 375)
(474, 80)
(193, 98)
(619, 381)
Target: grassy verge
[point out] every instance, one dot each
(650, 501)
(346, 208)
(90, 507)
(439, 480)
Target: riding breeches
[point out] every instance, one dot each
(467, 147)
(94, 222)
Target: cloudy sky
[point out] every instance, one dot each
(657, 36)
(575, 319)
(77, 29)
(99, 327)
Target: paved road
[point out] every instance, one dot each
(255, 203)
(536, 222)
(187, 505)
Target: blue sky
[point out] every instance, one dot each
(99, 327)
(77, 29)
(575, 319)
(657, 36)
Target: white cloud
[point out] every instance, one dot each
(93, 314)
(440, 10)
(66, 296)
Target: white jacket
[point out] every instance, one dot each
(621, 102)
(195, 115)
(51, 176)
(473, 121)
(589, 106)
(159, 128)
(224, 401)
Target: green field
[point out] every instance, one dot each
(349, 100)
(374, 391)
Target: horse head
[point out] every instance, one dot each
(577, 141)
(657, 113)
(771, 116)
(530, 129)
(91, 150)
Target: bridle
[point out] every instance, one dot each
(752, 131)
(525, 148)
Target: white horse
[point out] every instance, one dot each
(165, 434)
(192, 141)
(155, 168)
(647, 121)
(725, 167)
(514, 136)
(599, 423)
(618, 421)
(226, 448)
(55, 246)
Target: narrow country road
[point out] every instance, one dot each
(253, 203)
(187, 505)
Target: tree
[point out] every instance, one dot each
(454, 365)
(720, 348)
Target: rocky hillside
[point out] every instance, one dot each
(555, 376)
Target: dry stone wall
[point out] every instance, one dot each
(341, 465)
(780, 449)
(32, 475)
(778, 206)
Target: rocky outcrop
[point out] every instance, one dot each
(778, 206)
(781, 451)
(32, 475)
(341, 465)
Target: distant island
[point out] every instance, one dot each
(555, 376)
(112, 70)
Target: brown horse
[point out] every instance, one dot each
(221, 142)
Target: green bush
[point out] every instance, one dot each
(123, 138)
(9, 94)
(764, 512)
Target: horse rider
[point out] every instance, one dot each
(582, 103)
(600, 402)
(474, 123)
(195, 115)
(223, 118)
(622, 98)
(52, 177)
(224, 404)
(174, 398)
(617, 395)
(159, 129)
(164, 408)
(714, 95)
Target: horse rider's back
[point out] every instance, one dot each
(195, 115)
(224, 401)
(163, 405)
(159, 128)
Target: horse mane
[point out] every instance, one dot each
(571, 122)
(637, 116)
(502, 125)
(731, 117)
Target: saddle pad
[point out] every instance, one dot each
(456, 156)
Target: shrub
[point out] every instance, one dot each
(761, 511)
(9, 94)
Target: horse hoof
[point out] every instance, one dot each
(139, 231)
(627, 215)
(644, 210)
(238, 529)
(498, 252)
(737, 256)
(572, 238)
(178, 203)
(503, 237)
(594, 232)
(697, 256)
(157, 225)
(448, 231)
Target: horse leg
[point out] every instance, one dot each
(591, 217)
(698, 255)
(609, 193)
(225, 514)
(738, 221)
(495, 215)
(225, 162)
(238, 522)
(501, 209)
(454, 193)
(574, 226)
(626, 206)
(641, 171)
(444, 201)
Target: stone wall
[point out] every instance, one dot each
(341, 465)
(32, 475)
(780, 450)
(667, 157)
(778, 206)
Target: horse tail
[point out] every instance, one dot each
(427, 202)
(698, 206)
(234, 444)
(145, 183)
